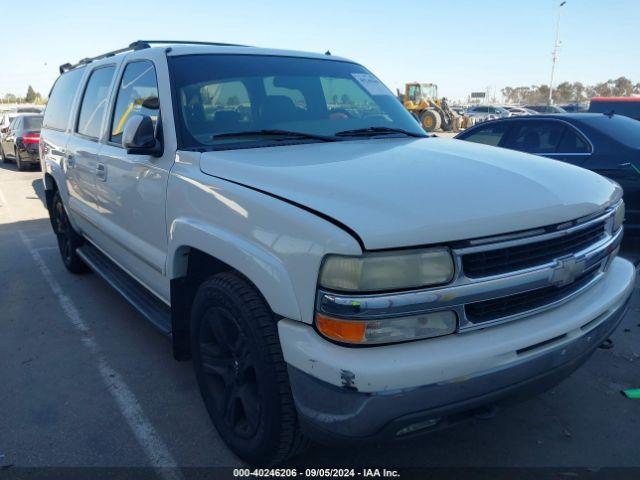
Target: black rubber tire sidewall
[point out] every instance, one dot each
(256, 322)
(73, 263)
(21, 166)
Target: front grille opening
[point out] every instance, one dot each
(497, 308)
(504, 260)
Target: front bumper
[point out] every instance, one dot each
(430, 384)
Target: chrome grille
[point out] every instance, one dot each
(503, 260)
(498, 308)
(502, 278)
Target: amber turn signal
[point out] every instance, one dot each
(347, 331)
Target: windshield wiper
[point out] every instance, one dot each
(371, 131)
(274, 133)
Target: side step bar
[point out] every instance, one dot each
(147, 304)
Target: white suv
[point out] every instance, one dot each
(332, 272)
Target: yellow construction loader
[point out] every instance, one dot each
(421, 99)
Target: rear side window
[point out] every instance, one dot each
(573, 143)
(535, 137)
(56, 115)
(138, 94)
(94, 102)
(488, 135)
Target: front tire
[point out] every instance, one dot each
(3, 156)
(68, 239)
(241, 372)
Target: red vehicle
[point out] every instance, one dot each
(627, 106)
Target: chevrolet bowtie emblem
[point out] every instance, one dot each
(566, 271)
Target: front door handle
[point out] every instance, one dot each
(101, 172)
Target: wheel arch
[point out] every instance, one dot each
(197, 251)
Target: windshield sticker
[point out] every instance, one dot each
(371, 84)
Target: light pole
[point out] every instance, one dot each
(554, 54)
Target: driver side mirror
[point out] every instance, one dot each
(5, 130)
(139, 137)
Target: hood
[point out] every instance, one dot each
(412, 192)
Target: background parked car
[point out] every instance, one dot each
(627, 106)
(606, 144)
(482, 113)
(5, 121)
(546, 108)
(21, 142)
(518, 111)
(575, 107)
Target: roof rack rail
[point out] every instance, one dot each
(140, 45)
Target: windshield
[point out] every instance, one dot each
(219, 95)
(32, 123)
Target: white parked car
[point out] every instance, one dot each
(332, 272)
(482, 113)
(519, 111)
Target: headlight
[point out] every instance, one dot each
(387, 271)
(388, 330)
(618, 217)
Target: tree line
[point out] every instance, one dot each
(571, 92)
(31, 97)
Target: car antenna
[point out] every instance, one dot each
(327, 53)
(611, 113)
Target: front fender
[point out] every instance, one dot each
(260, 266)
(277, 246)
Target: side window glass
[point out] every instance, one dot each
(94, 102)
(536, 137)
(489, 135)
(137, 94)
(573, 143)
(56, 115)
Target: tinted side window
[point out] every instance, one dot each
(94, 102)
(536, 137)
(56, 115)
(488, 135)
(138, 94)
(573, 143)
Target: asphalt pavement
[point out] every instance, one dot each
(86, 382)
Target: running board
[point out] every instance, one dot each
(147, 304)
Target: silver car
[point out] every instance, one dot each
(482, 113)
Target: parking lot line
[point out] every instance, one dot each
(146, 435)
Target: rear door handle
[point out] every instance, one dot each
(71, 161)
(101, 172)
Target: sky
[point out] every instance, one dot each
(462, 45)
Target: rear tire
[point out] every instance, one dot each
(68, 239)
(241, 372)
(21, 166)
